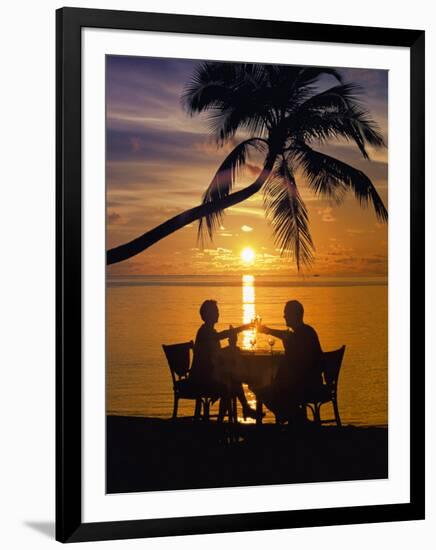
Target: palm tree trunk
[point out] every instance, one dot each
(130, 249)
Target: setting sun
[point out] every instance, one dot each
(248, 255)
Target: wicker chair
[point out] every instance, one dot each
(179, 362)
(328, 392)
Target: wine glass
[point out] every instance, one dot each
(271, 343)
(253, 341)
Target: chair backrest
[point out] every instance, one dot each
(179, 358)
(331, 365)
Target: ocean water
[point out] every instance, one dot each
(144, 312)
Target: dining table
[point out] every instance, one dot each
(257, 369)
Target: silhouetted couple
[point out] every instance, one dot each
(298, 374)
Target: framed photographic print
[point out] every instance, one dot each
(240, 274)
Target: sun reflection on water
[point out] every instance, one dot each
(248, 314)
(248, 310)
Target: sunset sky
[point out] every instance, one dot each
(160, 161)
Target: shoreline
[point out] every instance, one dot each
(266, 420)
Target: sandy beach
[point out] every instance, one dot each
(154, 454)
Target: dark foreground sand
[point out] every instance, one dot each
(150, 454)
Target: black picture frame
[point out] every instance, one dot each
(69, 525)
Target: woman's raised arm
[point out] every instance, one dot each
(226, 333)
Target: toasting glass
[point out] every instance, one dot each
(253, 341)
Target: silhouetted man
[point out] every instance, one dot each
(299, 374)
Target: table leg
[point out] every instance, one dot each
(259, 411)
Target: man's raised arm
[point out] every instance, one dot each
(282, 334)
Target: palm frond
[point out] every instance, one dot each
(336, 97)
(247, 95)
(224, 123)
(290, 85)
(210, 85)
(223, 182)
(336, 113)
(201, 97)
(287, 214)
(304, 84)
(309, 75)
(232, 95)
(331, 177)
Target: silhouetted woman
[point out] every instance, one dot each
(208, 354)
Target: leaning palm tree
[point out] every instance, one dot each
(280, 113)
